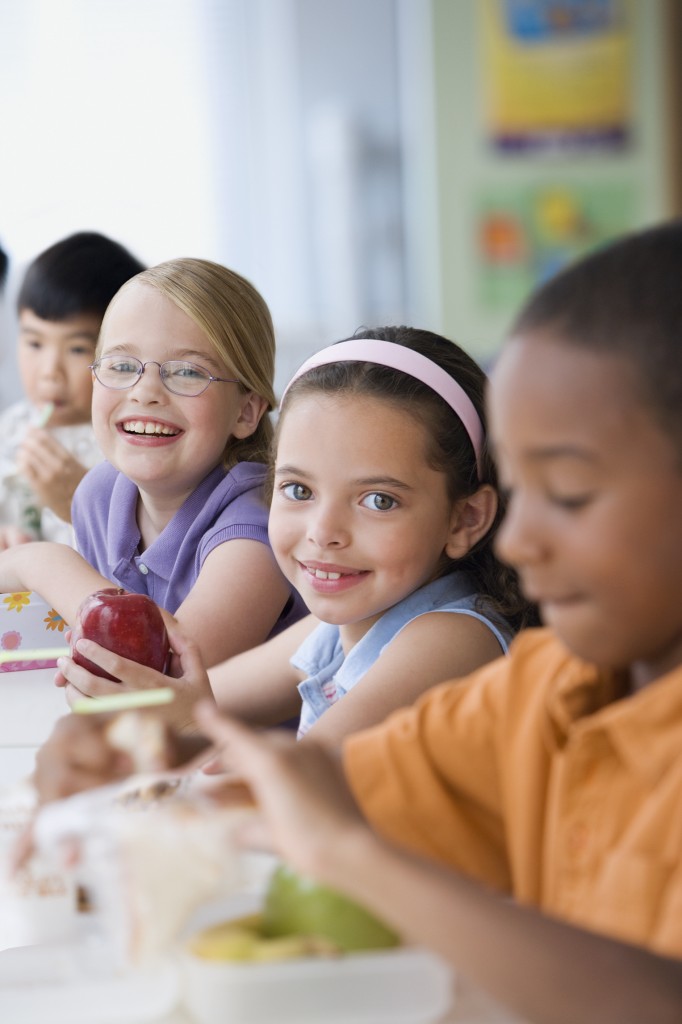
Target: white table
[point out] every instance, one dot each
(30, 704)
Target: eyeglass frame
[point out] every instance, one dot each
(143, 366)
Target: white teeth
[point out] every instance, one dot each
(139, 427)
(320, 574)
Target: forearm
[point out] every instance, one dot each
(544, 970)
(56, 572)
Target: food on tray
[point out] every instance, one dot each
(145, 873)
(128, 624)
(243, 939)
(300, 918)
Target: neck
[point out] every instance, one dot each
(153, 516)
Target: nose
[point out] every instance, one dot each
(520, 538)
(327, 526)
(149, 385)
(52, 364)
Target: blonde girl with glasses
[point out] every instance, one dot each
(182, 389)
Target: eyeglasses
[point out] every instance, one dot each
(187, 379)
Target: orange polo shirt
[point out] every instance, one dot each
(532, 776)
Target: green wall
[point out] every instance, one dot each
(467, 170)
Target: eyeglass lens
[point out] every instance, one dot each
(177, 376)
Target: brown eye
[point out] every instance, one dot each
(297, 492)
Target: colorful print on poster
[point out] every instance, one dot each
(526, 233)
(557, 75)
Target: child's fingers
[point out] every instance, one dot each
(304, 802)
(233, 740)
(131, 674)
(75, 757)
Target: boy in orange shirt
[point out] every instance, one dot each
(553, 775)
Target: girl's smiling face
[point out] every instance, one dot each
(593, 523)
(358, 518)
(164, 443)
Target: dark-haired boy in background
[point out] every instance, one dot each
(46, 439)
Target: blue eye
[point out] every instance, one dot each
(187, 371)
(126, 366)
(296, 492)
(379, 502)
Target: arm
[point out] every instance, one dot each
(52, 472)
(543, 969)
(236, 600)
(259, 686)
(59, 574)
(430, 649)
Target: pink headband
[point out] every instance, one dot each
(397, 357)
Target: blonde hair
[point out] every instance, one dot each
(236, 320)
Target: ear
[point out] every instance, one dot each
(472, 517)
(252, 411)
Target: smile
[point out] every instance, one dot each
(149, 428)
(331, 581)
(328, 574)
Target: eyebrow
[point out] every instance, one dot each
(35, 331)
(561, 451)
(366, 481)
(187, 355)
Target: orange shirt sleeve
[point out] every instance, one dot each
(428, 778)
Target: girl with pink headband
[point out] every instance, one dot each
(384, 506)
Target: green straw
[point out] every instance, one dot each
(45, 414)
(128, 701)
(33, 654)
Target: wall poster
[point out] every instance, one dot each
(528, 232)
(557, 75)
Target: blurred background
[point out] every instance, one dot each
(360, 161)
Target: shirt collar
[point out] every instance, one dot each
(645, 728)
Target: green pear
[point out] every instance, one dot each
(295, 905)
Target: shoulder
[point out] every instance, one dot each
(537, 660)
(241, 486)
(230, 506)
(244, 478)
(453, 596)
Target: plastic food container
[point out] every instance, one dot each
(403, 986)
(61, 984)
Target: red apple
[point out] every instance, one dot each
(128, 624)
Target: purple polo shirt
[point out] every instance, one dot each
(225, 505)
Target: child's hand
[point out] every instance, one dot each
(52, 472)
(85, 751)
(307, 809)
(187, 676)
(76, 756)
